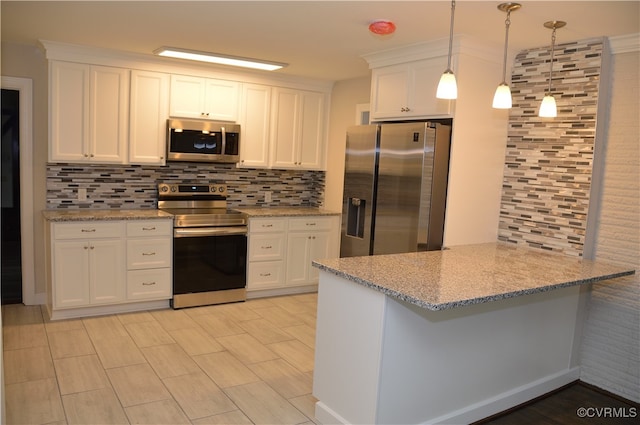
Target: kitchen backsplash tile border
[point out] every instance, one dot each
(548, 164)
(134, 186)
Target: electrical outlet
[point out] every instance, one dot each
(82, 194)
(267, 197)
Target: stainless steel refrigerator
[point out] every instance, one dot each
(395, 188)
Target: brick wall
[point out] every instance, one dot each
(610, 353)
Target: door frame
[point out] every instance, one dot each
(25, 87)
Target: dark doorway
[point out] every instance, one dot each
(10, 190)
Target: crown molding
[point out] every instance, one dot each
(625, 43)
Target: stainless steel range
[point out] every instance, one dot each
(209, 244)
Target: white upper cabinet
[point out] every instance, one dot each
(204, 98)
(297, 129)
(148, 120)
(255, 114)
(407, 90)
(89, 113)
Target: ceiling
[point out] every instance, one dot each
(318, 39)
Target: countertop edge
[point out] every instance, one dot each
(58, 216)
(468, 301)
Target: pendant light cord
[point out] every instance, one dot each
(453, 9)
(553, 46)
(507, 22)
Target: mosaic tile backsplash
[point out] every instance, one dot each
(135, 186)
(548, 164)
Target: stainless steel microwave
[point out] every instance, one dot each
(203, 141)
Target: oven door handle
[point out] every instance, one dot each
(187, 232)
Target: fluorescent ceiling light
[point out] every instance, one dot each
(194, 55)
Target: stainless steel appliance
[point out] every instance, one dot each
(202, 141)
(209, 244)
(395, 186)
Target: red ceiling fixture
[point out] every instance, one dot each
(382, 27)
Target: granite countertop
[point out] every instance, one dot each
(470, 274)
(284, 211)
(84, 215)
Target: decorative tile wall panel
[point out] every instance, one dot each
(548, 164)
(132, 187)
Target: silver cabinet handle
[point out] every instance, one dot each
(266, 247)
(265, 274)
(148, 253)
(311, 224)
(149, 228)
(88, 230)
(148, 283)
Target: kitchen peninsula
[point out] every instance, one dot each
(448, 336)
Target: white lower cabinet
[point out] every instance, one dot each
(149, 259)
(88, 264)
(98, 267)
(281, 250)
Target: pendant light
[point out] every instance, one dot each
(502, 98)
(548, 107)
(447, 87)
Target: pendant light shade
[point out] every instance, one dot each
(548, 107)
(447, 87)
(502, 98)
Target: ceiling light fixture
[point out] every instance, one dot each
(219, 59)
(382, 27)
(548, 107)
(502, 98)
(447, 87)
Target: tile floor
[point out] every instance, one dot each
(240, 363)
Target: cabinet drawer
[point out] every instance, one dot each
(310, 223)
(149, 228)
(149, 284)
(266, 247)
(267, 225)
(88, 230)
(268, 274)
(148, 253)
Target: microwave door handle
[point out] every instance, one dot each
(224, 141)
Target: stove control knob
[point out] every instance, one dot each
(173, 188)
(164, 189)
(212, 188)
(221, 189)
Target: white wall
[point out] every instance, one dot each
(611, 336)
(344, 98)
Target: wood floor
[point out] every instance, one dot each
(238, 363)
(575, 404)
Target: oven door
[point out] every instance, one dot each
(210, 265)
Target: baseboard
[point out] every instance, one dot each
(74, 313)
(324, 415)
(508, 399)
(276, 292)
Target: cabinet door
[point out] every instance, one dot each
(69, 112)
(148, 117)
(221, 100)
(254, 122)
(109, 114)
(107, 279)
(285, 128)
(187, 97)
(319, 247)
(423, 83)
(298, 258)
(71, 273)
(311, 150)
(389, 96)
